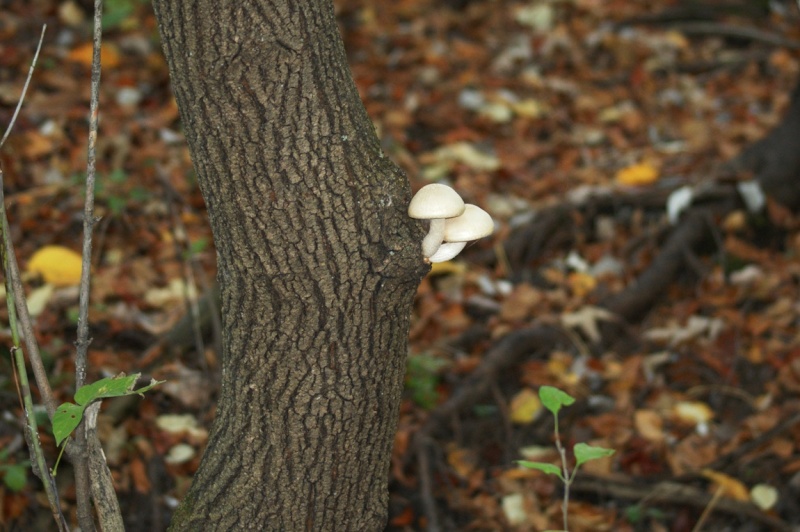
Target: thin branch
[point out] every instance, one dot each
(83, 340)
(24, 87)
(106, 502)
(38, 461)
(81, 463)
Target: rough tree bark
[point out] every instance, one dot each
(318, 264)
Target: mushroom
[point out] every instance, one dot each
(447, 251)
(435, 203)
(473, 224)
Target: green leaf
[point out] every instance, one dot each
(143, 389)
(108, 387)
(553, 398)
(111, 387)
(550, 469)
(67, 417)
(15, 476)
(585, 453)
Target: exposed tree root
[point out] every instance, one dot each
(674, 494)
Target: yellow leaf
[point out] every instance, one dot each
(525, 406)
(693, 412)
(57, 265)
(581, 283)
(732, 487)
(448, 267)
(637, 174)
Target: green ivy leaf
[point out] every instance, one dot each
(550, 469)
(585, 453)
(66, 419)
(553, 398)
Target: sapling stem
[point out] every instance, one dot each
(565, 471)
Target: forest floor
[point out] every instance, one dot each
(573, 123)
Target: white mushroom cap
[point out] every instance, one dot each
(447, 251)
(473, 224)
(435, 201)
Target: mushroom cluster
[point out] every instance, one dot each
(452, 222)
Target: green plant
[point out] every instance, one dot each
(553, 399)
(69, 415)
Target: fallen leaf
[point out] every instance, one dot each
(764, 496)
(732, 487)
(581, 283)
(514, 509)
(637, 175)
(57, 265)
(586, 320)
(525, 407)
(38, 298)
(180, 454)
(109, 55)
(180, 424)
(693, 412)
(138, 471)
(463, 461)
(649, 424)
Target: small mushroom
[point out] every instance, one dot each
(473, 224)
(447, 251)
(436, 203)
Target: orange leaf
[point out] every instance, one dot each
(637, 175)
(650, 425)
(109, 55)
(141, 482)
(733, 488)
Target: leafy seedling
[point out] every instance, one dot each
(69, 415)
(554, 399)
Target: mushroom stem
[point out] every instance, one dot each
(434, 238)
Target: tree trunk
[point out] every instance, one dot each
(318, 264)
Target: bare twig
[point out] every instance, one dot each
(106, 503)
(708, 510)
(24, 87)
(40, 467)
(81, 461)
(422, 447)
(15, 301)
